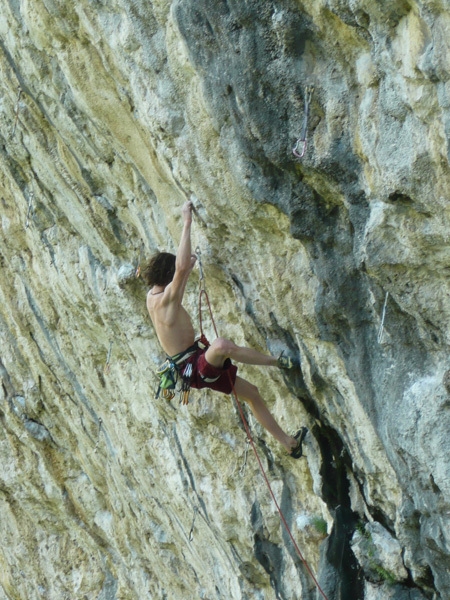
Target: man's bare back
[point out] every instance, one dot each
(172, 323)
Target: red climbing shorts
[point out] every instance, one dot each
(204, 375)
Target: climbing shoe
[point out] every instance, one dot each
(284, 362)
(297, 451)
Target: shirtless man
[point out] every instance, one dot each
(167, 275)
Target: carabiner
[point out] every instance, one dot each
(198, 254)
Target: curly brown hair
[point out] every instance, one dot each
(159, 270)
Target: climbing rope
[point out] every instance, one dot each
(303, 139)
(204, 294)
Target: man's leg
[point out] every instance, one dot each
(249, 392)
(221, 349)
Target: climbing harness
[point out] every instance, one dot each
(174, 367)
(170, 371)
(303, 139)
(168, 377)
(383, 316)
(204, 293)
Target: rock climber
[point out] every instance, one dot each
(167, 276)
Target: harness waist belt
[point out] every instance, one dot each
(180, 358)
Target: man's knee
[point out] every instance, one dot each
(252, 394)
(223, 347)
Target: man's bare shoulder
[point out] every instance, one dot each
(154, 301)
(160, 303)
(150, 298)
(154, 296)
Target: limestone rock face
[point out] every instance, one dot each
(113, 114)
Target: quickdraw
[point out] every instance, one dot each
(175, 367)
(198, 254)
(303, 139)
(168, 377)
(186, 384)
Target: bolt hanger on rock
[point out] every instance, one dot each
(198, 254)
(300, 147)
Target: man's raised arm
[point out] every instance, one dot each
(185, 261)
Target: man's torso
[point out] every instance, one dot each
(172, 324)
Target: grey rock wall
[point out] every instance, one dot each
(113, 114)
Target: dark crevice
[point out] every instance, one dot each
(335, 492)
(190, 477)
(268, 554)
